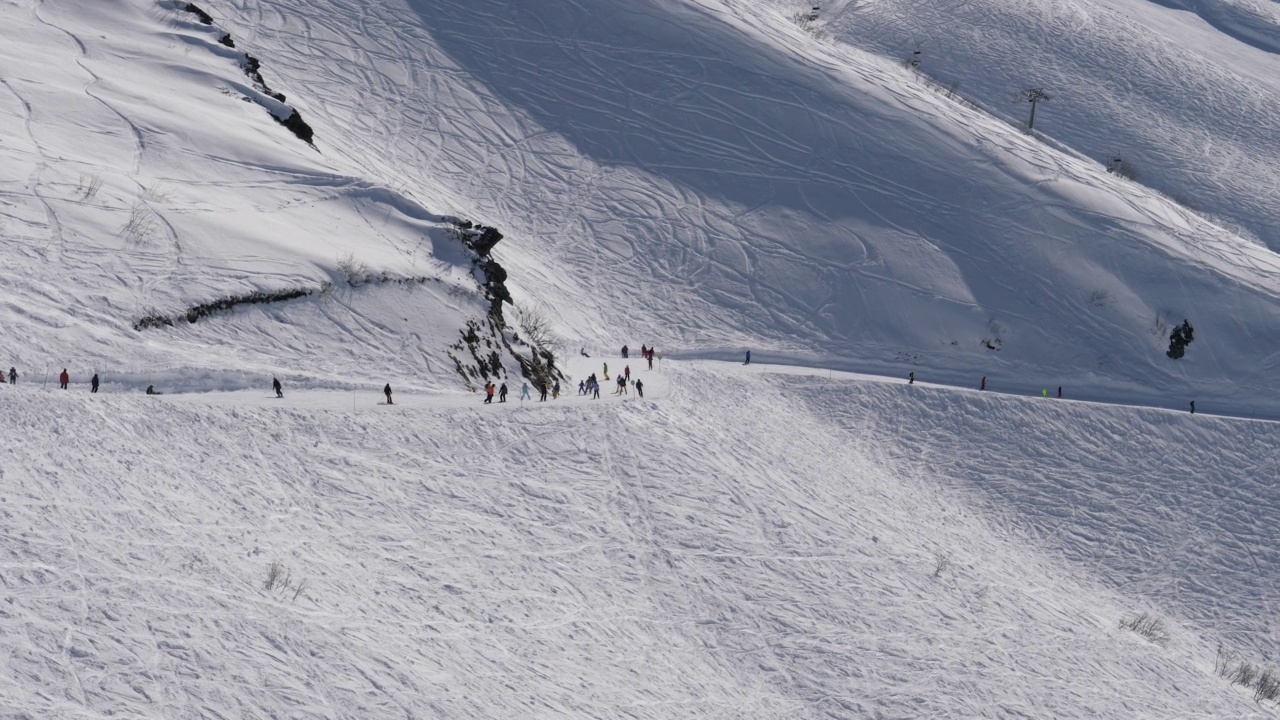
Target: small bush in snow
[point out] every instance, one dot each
(1179, 339)
(941, 563)
(141, 225)
(1148, 626)
(805, 21)
(275, 575)
(1267, 686)
(88, 188)
(353, 271)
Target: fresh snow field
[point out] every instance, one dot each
(803, 537)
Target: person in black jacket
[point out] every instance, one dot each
(275, 385)
(94, 384)
(387, 391)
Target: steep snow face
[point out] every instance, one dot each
(686, 555)
(1185, 92)
(713, 176)
(141, 174)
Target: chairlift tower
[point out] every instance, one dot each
(1034, 95)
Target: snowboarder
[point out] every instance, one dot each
(488, 393)
(584, 352)
(555, 391)
(94, 383)
(1059, 391)
(1044, 393)
(1193, 407)
(502, 393)
(606, 371)
(151, 390)
(624, 352)
(639, 387)
(275, 385)
(747, 361)
(13, 376)
(63, 379)
(524, 391)
(387, 391)
(911, 378)
(983, 386)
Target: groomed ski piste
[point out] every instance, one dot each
(806, 536)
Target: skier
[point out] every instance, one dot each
(13, 376)
(983, 386)
(524, 391)
(650, 358)
(627, 372)
(94, 383)
(1044, 393)
(387, 391)
(644, 351)
(748, 360)
(606, 371)
(911, 378)
(582, 387)
(1059, 391)
(542, 391)
(624, 352)
(595, 390)
(488, 393)
(584, 352)
(502, 393)
(555, 391)
(1193, 407)
(64, 378)
(622, 383)
(275, 385)
(639, 387)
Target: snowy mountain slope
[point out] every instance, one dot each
(139, 180)
(1186, 94)
(713, 177)
(683, 556)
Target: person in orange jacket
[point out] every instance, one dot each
(64, 378)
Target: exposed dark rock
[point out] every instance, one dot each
(297, 125)
(226, 40)
(194, 9)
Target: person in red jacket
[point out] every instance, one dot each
(64, 378)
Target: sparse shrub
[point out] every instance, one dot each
(141, 225)
(1179, 339)
(279, 578)
(1100, 298)
(806, 22)
(941, 564)
(88, 188)
(1148, 626)
(275, 575)
(1267, 686)
(1123, 168)
(353, 271)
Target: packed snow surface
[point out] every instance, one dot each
(811, 537)
(743, 542)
